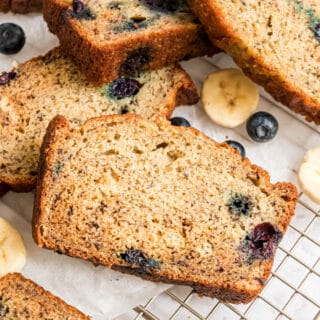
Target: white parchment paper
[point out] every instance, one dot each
(97, 291)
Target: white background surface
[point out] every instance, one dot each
(104, 293)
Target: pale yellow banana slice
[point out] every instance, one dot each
(12, 250)
(229, 97)
(309, 174)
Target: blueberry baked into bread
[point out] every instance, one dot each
(21, 298)
(20, 6)
(163, 202)
(108, 38)
(38, 90)
(275, 42)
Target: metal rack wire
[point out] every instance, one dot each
(293, 301)
(184, 310)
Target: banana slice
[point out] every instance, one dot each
(309, 174)
(229, 97)
(12, 250)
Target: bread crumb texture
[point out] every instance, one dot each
(47, 86)
(21, 298)
(164, 202)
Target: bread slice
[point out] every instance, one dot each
(20, 6)
(21, 298)
(276, 43)
(50, 85)
(108, 38)
(162, 202)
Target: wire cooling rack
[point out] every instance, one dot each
(293, 290)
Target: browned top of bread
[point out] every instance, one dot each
(20, 6)
(107, 38)
(46, 86)
(164, 202)
(22, 299)
(275, 42)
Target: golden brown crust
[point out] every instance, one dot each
(4, 5)
(165, 47)
(58, 123)
(224, 36)
(20, 281)
(222, 293)
(225, 292)
(20, 6)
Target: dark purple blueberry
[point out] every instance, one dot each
(137, 257)
(317, 31)
(80, 11)
(77, 6)
(238, 146)
(123, 87)
(6, 77)
(180, 122)
(239, 204)
(12, 38)
(135, 61)
(262, 126)
(262, 241)
(162, 5)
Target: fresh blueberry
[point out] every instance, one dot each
(6, 77)
(262, 126)
(238, 146)
(239, 204)
(12, 38)
(123, 87)
(262, 241)
(180, 122)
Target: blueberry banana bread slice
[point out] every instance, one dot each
(163, 202)
(35, 92)
(21, 298)
(20, 6)
(108, 38)
(275, 42)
